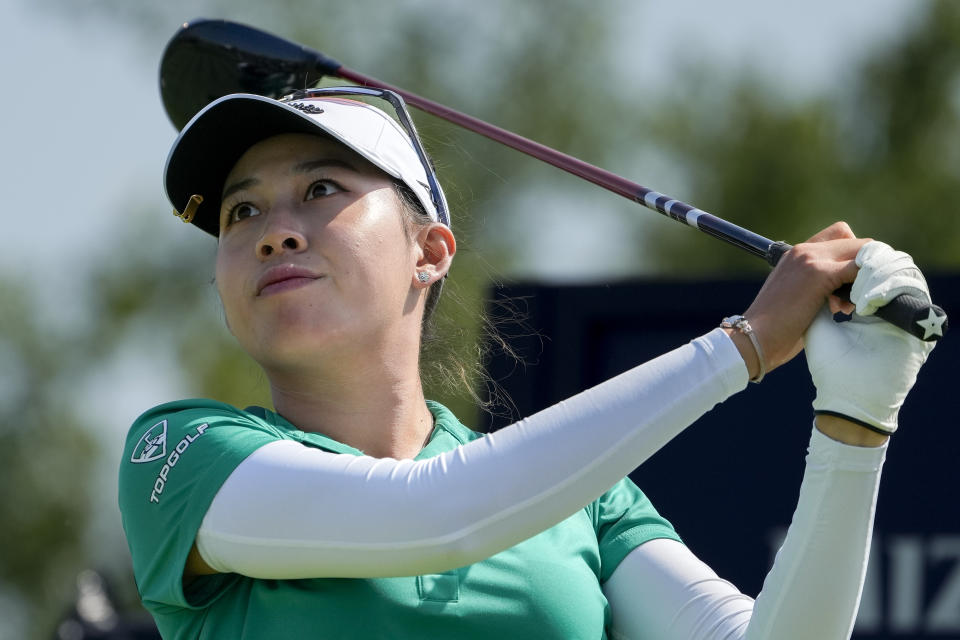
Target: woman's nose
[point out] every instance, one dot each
(281, 235)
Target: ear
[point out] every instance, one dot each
(436, 247)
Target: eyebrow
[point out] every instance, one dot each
(303, 167)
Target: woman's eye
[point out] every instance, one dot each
(322, 188)
(242, 211)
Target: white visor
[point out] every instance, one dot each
(214, 139)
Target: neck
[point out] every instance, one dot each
(378, 408)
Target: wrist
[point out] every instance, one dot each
(847, 432)
(747, 352)
(745, 339)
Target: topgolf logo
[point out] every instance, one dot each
(152, 445)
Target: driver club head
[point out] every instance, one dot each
(208, 59)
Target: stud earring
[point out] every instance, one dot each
(423, 276)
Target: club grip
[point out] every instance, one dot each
(914, 315)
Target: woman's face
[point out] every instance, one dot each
(313, 253)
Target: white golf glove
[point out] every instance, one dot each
(864, 368)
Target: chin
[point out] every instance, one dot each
(306, 343)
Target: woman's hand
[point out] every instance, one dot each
(864, 368)
(797, 289)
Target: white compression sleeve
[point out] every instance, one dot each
(661, 590)
(290, 511)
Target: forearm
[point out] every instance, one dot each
(821, 565)
(364, 517)
(661, 590)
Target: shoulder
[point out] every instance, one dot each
(179, 453)
(624, 518)
(168, 423)
(176, 457)
(189, 408)
(196, 437)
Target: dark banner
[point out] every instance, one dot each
(729, 483)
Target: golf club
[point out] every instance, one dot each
(207, 59)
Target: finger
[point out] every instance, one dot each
(847, 272)
(836, 231)
(839, 305)
(840, 250)
(848, 248)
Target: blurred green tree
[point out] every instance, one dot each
(880, 153)
(46, 455)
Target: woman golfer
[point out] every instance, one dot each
(360, 509)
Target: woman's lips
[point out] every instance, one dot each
(285, 285)
(284, 278)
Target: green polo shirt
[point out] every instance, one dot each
(177, 456)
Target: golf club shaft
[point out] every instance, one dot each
(717, 227)
(906, 311)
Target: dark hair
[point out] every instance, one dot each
(444, 362)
